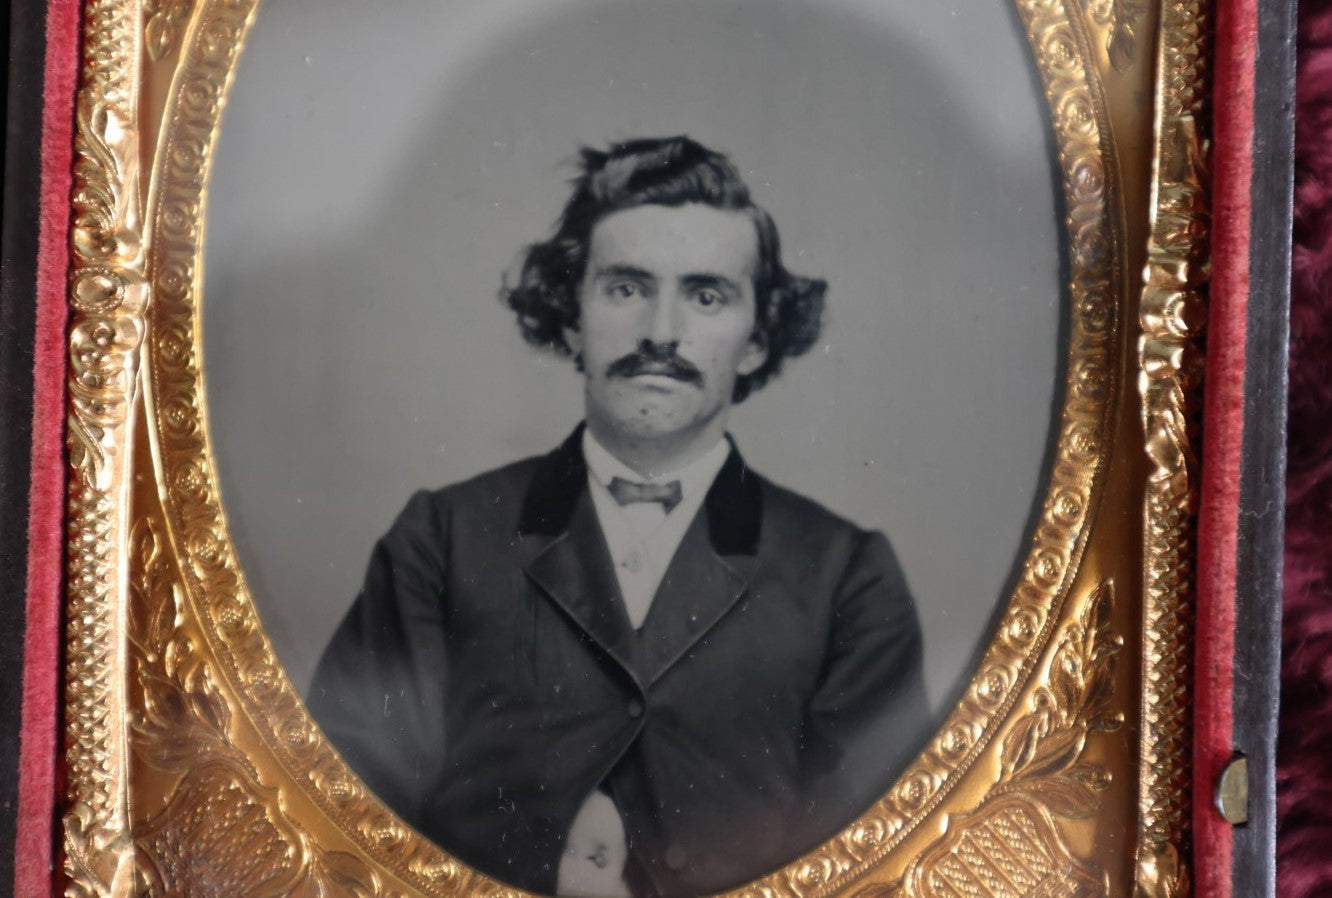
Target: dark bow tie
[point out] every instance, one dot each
(627, 491)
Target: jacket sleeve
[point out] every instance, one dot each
(869, 715)
(378, 691)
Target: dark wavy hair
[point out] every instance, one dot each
(667, 171)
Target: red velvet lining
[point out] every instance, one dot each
(34, 841)
(1304, 751)
(1223, 410)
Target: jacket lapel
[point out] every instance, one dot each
(697, 591)
(575, 570)
(710, 572)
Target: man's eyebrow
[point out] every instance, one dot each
(710, 280)
(625, 271)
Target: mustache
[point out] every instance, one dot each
(655, 358)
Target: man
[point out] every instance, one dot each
(634, 666)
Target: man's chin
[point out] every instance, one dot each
(648, 406)
(652, 415)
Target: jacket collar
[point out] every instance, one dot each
(734, 504)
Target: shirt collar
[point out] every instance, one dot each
(734, 503)
(695, 478)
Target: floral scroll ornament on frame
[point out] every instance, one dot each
(1170, 372)
(108, 295)
(1009, 845)
(218, 807)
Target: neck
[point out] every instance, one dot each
(657, 454)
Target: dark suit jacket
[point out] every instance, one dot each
(487, 678)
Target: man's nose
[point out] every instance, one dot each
(664, 325)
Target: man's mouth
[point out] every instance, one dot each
(641, 365)
(660, 371)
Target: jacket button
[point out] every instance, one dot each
(635, 708)
(675, 858)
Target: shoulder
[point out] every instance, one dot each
(798, 527)
(786, 509)
(783, 503)
(498, 491)
(513, 477)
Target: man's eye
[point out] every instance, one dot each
(710, 299)
(625, 290)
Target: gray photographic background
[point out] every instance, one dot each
(381, 166)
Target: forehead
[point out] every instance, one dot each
(670, 241)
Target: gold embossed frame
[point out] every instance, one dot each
(1061, 768)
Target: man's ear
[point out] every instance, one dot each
(756, 353)
(573, 338)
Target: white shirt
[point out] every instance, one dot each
(643, 538)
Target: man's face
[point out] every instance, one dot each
(667, 313)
